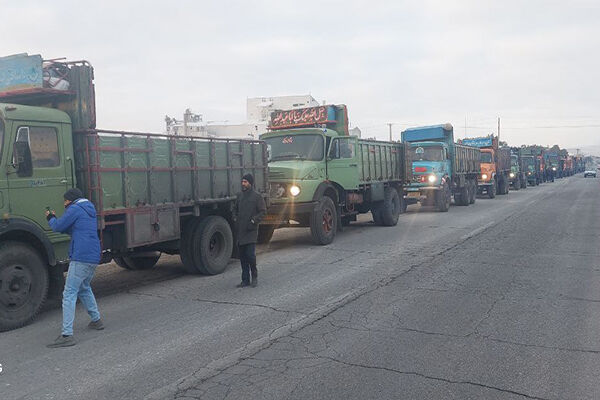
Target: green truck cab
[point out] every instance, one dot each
(322, 178)
(518, 168)
(153, 193)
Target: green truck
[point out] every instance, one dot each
(321, 177)
(518, 167)
(153, 193)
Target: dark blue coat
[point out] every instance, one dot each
(79, 221)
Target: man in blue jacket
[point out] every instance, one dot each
(78, 221)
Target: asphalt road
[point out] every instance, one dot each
(500, 299)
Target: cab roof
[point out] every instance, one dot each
(31, 113)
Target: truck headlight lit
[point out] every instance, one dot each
(431, 178)
(512, 174)
(529, 173)
(484, 176)
(553, 168)
(294, 190)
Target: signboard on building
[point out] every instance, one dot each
(20, 71)
(302, 117)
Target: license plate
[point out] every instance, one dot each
(414, 194)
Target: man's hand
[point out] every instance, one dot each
(50, 214)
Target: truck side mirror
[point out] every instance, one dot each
(22, 153)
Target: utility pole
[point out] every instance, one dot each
(498, 131)
(390, 126)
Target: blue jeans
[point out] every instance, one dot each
(78, 285)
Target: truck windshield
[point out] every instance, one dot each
(300, 147)
(514, 161)
(427, 154)
(485, 157)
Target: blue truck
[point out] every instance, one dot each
(441, 168)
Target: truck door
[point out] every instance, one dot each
(342, 164)
(38, 178)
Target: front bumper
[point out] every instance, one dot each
(281, 213)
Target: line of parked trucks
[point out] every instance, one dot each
(174, 194)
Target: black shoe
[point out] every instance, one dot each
(254, 282)
(243, 284)
(62, 341)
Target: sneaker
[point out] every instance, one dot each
(97, 325)
(62, 341)
(254, 282)
(243, 284)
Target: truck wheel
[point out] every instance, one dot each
(265, 233)
(501, 187)
(492, 190)
(473, 195)
(186, 246)
(23, 284)
(376, 213)
(212, 245)
(323, 222)
(523, 183)
(443, 199)
(391, 207)
(146, 261)
(463, 195)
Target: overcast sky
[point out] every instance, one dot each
(534, 64)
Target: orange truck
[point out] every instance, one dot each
(495, 165)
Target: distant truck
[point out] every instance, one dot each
(441, 168)
(551, 160)
(531, 166)
(518, 175)
(153, 193)
(495, 165)
(322, 178)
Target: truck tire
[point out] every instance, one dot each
(212, 244)
(524, 183)
(491, 191)
(186, 246)
(442, 200)
(463, 195)
(501, 186)
(323, 222)
(23, 284)
(391, 208)
(265, 233)
(121, 263)
(141, 262)
(473, 194)
(376, 213)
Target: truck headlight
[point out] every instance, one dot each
(294, 190)
(529, 173)
(512, 174)
(484, 176)
(431, 178)
(553, 168)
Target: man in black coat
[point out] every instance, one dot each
(250, 209)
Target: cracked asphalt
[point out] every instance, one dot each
(499, 300)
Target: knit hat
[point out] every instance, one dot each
(249, 178)
(73, 194)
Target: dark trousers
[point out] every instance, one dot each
(247, 255)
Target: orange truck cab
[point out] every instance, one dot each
(495, 165)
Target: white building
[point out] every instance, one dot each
(258, 112)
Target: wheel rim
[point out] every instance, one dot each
(327, 220)
(216, 244)
(15, 286)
